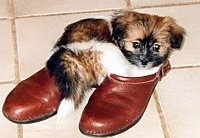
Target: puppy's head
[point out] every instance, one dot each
(146, 40)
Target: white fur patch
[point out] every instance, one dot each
(139, 72)
(112, 59)
(54, 50)
(66, 107)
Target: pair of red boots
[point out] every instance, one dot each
(116, 105)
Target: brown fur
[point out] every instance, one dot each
(85, 30)
(75, 72)
(137, 27)
(82, 69)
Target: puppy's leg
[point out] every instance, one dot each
(74, 74)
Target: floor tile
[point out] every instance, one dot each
(148, 126)
(3, 9)
(26, 7)
(145, 3)
(36, 37)
(9, 129)
(179, 96)
(189, 54)
(6, 53)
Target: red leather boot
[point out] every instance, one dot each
(33, 99)
(118, 103)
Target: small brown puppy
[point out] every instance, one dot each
(129, 44)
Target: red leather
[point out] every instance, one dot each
(118, 103)
(33, 99)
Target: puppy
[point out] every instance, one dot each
(129, 44)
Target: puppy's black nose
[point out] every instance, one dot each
(144, 62)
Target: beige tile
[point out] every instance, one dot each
(8, 129)
(186, 17)
(148, 127)
(138, 3)
(6, 53)
(26, 7)
(179, 95)
(3, 9)
(36, 37)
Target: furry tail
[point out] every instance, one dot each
(56, 68)
(64, 66)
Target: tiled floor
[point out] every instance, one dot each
(29, 29)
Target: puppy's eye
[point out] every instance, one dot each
(136, 45)
(156, 47)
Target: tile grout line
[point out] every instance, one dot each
(128, 4)
(186, 67)
(14, 40)
(3, 18)
(15, 53)
(159, 109)
(67, 13)
(166, 5)
(104, 10)
(7, 82)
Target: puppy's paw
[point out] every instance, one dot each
(65, 108)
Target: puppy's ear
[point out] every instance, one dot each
(176, 34)
(177, 38)
(118, 32)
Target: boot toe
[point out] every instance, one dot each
(101, 120)
(33, 99)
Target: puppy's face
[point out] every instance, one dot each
(146, 40)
